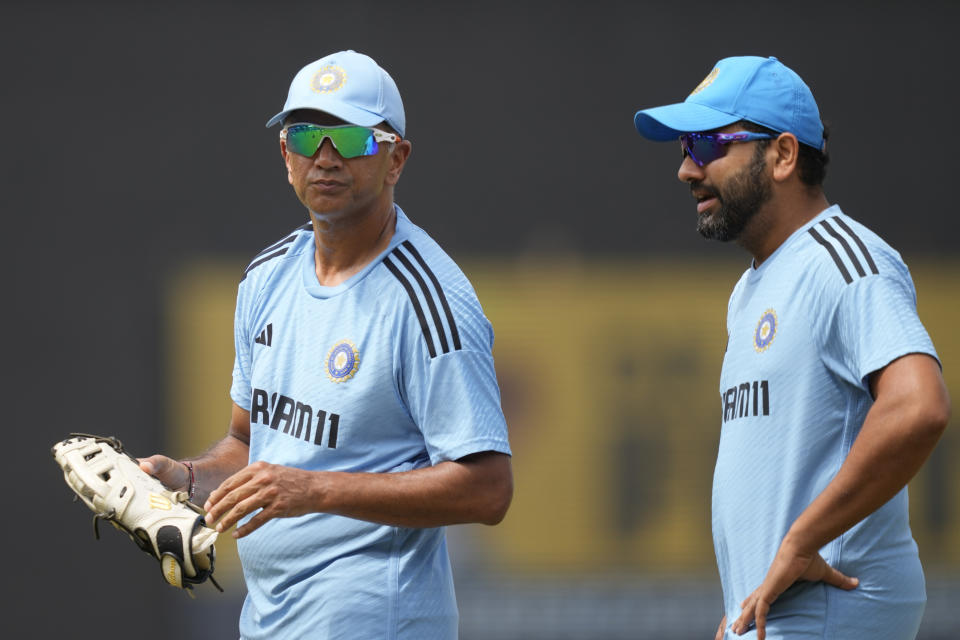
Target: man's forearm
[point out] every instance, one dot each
(475, 489)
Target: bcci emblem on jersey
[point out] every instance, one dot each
(766, 330)
(342, 361)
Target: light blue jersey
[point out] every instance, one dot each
(390, 371)
(833, 304)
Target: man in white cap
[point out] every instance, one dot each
(831, 391)
(366, 412)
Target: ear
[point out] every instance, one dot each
(787, 149)
(286, 160)
(398, 159)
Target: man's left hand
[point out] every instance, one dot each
(277, 491)
(789, 566)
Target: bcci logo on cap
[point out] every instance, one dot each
(706, 82)
(342, 361)
(328, 79)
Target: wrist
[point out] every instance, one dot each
(322, 490)
(799, 543)
(191, 488)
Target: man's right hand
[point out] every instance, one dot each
(723, 625)
(173, 474)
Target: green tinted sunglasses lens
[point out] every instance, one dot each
(353, 141)
(303, 139)
(350, 142)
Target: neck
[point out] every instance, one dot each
(345, 247)
(778, 220)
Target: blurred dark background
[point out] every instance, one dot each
(134, 144)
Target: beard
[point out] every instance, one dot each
(738, 200)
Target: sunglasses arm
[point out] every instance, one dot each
(383, 136)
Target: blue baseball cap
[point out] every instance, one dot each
(350, 86)
(761, 90)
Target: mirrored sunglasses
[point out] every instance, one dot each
(350, 141)
(707, 147)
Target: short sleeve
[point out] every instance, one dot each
(455, 401)
(240, 390)
(875, 322)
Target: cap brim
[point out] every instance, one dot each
(345, 112)
(670, 121)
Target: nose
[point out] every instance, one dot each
(327, 155)
(689, 171)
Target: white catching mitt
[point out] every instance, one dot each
(163, 523)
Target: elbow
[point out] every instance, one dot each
(487, 489)
(937, 408)
(499, 512)
(939, 413)
(497, 502)
(941, 417)
(933, 419)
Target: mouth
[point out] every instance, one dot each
(327, 186)
(705, 198)
(705, 203)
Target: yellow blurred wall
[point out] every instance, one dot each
(608, 373)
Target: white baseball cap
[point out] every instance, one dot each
(350, 86)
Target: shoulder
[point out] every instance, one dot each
(265, 263)
(421, 254)
(844, 252)
(436, 295)
(849, 270)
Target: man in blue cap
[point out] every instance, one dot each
(366, 413)
(831, 391)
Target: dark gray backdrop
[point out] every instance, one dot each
(134, 141)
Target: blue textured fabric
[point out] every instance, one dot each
(833, 304)
(390, 371)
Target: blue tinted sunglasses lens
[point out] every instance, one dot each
(702, 149)
(707, 147)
